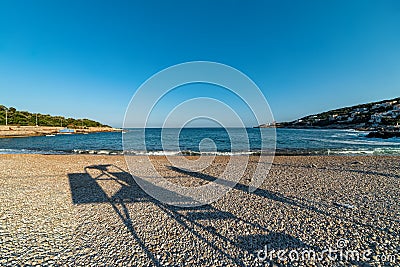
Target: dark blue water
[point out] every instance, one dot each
(210, 140)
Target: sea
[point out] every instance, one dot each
(195, 141)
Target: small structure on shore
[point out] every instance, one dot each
(67, 131)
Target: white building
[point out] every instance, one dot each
(360, 109)
(382, 105)
(355, 114)
(333, 117)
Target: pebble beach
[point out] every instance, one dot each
(87, 210)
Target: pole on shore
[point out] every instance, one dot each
(36, 120)
(6, 117)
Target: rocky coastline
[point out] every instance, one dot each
(11, 131)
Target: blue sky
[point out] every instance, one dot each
(87, 58)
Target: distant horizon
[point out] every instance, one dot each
(206, 126)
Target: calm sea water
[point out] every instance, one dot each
(209, 140)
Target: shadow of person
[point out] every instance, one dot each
(276, 196)
(86, 189)
(239, 186)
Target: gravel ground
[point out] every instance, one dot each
(86, 210)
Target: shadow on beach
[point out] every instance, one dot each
(86, 189)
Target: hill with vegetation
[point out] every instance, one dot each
(25, 118)
(383, 114)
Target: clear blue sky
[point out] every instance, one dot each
(87, 58)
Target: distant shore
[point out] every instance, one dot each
(330, 127)
(11, 131)
(374, 132)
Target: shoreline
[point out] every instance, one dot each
(14, 131)
(283, 152)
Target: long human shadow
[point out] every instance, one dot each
(277, 197)
(239, 186)
(86, 189)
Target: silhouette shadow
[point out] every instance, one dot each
(275, 196)
(239, 186)
(86, 189)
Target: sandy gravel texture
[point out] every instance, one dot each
(87, 210)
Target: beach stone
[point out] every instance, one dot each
(59, 219)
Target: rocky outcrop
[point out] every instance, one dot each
(383, 134)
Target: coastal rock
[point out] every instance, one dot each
(383, 134)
